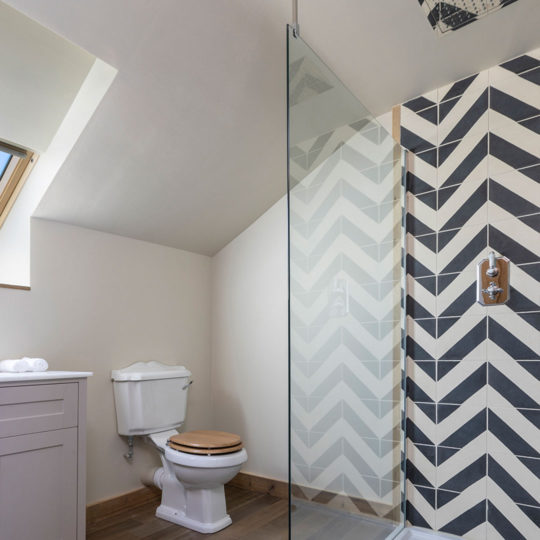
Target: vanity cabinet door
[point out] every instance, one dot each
(38, 486)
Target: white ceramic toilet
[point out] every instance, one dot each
(151, 401)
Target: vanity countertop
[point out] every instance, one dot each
(43, 375)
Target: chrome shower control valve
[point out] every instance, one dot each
(493, 290)
(493, 280)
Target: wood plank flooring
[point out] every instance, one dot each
(255, 516)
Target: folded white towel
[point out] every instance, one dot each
(37, 364)
(15, 366)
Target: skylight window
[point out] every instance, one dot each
(15, 166)
(4, 161)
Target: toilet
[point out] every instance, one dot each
(150, 400)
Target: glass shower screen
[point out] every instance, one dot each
(345, 284)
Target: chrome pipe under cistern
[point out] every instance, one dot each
(295, 25)
(129, 455)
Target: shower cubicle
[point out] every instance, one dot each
(346, 288)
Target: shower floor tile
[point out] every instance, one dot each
(312, 521)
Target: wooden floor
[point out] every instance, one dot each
(255, 516)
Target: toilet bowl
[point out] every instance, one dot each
(193, 484)
(150, 401)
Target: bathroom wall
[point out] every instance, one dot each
(249, 341)
(100, 302)
(32, 113)
(473, 371)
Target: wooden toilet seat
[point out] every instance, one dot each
(206, 442)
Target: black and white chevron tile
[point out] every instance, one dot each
(473, 373)
(345, 254)
(448, 15)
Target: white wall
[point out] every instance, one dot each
(41, 75)
(249, 341)
(99, 302)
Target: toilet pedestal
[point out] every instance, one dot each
(205, 507)
(202, 505)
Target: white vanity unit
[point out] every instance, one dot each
(43, 455)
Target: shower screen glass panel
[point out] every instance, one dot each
(346, 283)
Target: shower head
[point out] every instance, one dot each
(447, 15)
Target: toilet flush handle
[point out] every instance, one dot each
(187, 385)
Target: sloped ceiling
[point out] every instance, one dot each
(189, 145)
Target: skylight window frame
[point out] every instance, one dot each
(14, 176)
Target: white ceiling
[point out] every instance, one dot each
(189, 145)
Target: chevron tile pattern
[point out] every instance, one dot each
(346, 202)
(450, 15)
(473, 373)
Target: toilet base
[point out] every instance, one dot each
(193, 488)
(180, 518)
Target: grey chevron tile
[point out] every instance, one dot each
(458, 160)
(422, 102)
(422, 172)
(421, 341)
(421, 213)
(459, 381)
(421, 255)
(458, 88)
(471, 522)
(511, 431)
(465, 340)
(420, 507)
(518, 107)
(427, 461)
(515, 240)
(463, 205)
(521, 63)
(462, 425)
(419, 424)
(420, 384)
(503, 523)
(500, 474)
(532, 75)
(462, 116)
(467, 474)
(524, 295)
(512, 337)
(428, 157)
(416, 143)
(512, 146)
(357, 423)
(421, 297)
(460, 249)
(456, 295)
(356, 159)
(532, 270)
(360, 465)
(513, 195)
(513, 385)
(444, 324)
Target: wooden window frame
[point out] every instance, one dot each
(17, 178)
